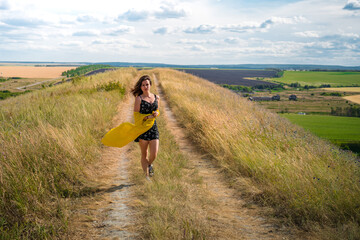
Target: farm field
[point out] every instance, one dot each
(344, 89)
(32, 72)
(343, 131)
(354, 98)
(329, 127)
(233, 77)
(309, 101)
(318, 78)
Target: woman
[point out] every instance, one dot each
(147, 103)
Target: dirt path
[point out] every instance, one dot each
(234, 217)
(23, 88)
(107, 214)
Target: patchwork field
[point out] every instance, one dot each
(318, 78)
(32, 72)
(233, 77)
(309, 101)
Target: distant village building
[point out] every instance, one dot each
(293, 97)
(301, 113)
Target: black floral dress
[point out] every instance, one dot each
(148, 108)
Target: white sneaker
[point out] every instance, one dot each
(148, 178)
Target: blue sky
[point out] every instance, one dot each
(182, 31)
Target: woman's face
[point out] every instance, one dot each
(145, 86)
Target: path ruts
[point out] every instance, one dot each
(107, 215)
(233, 217)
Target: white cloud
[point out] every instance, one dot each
(198, 48)
(234, 40)
(141, 44)
(352, 5)
(350, 35)
(311, 34)
(289, 20)
(87, 33)
(87, 19)
(121, 43)
(133, 15)
(120, 30)
(24, 22)
(71, 43)
(256, 26)
(326, 45)
(169, 12)
(161, 30)
(202, 29)
(196, 41)
(109, 42)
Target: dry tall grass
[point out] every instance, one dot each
(47, 139)
(307, 179)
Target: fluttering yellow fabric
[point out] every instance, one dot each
(128, 132)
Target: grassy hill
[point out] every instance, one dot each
(50, 137)
(310, 182)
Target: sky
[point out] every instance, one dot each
(182, 32)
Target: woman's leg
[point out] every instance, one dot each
(154, 147)
(144, 162)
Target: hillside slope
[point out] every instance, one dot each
(308, 180)
(48, 140)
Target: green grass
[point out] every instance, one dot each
(329, 127)
(318, 78)
(343, 131)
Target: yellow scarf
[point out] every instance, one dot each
(128, 132)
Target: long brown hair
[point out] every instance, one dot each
(136, 91)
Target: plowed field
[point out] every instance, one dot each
(233, 77)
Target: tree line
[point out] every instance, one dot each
(84, 69)
(351, 111)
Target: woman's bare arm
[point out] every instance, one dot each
(137, 104)
(155, 114)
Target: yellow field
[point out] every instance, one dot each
(32, 72)
(353, 98)
(344, 89)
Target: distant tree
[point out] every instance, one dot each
(293, 97)
(295, 85)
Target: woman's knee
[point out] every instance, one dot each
(153, 156)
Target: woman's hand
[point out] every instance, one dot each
(155, 114)
(148, 117)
